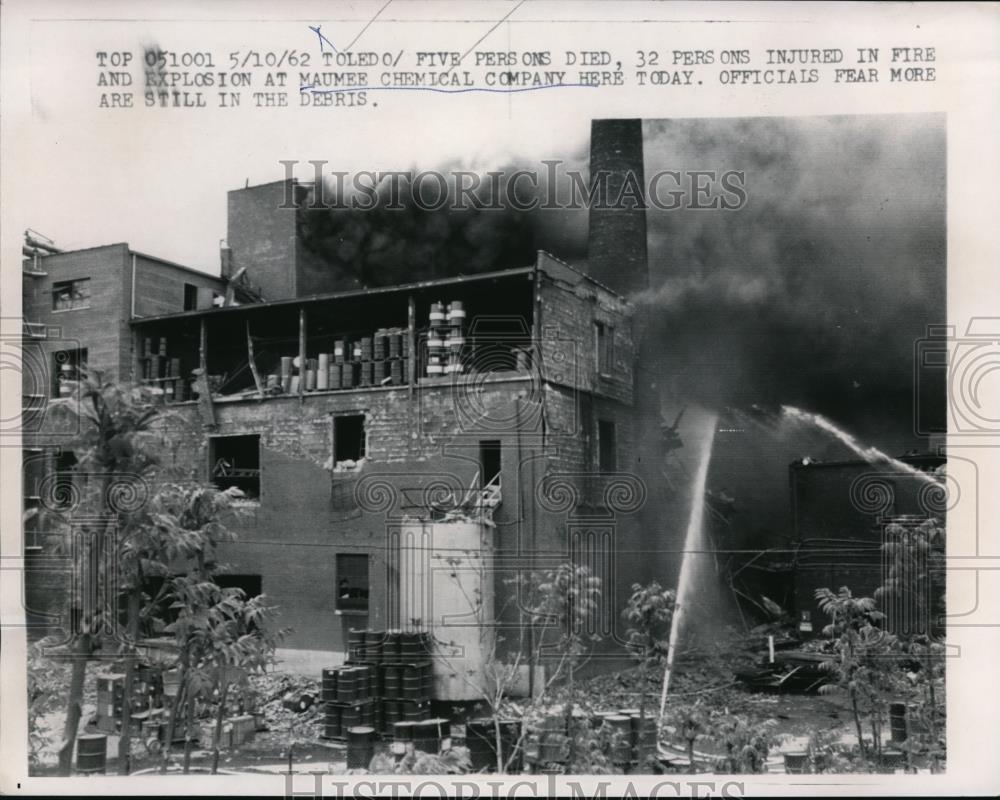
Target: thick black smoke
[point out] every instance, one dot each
(385, 246)
(814, 293)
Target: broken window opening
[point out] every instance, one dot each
(69, 295)
(607, 451)
(349, 440)
(489, 460)
(190, 297)
(352, 582)
(235, 462)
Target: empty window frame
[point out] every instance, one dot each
(67, 295)
(352, 582)
(349, 438)
(190, 297)
(235, 461)
(607, 446)
(489, 460)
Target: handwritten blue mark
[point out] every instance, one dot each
(322, 39)
(507, 90)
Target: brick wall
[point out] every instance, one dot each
(103, 327)
(160, 286)
(262, 237)
(570, 305)
(837, 510)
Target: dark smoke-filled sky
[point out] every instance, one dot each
(812, 294)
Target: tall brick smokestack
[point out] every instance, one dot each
(616, 246)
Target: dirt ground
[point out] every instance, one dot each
(696, 677)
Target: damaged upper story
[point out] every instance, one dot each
(546, 323)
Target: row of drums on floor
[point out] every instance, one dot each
(630, 738)
(426, 736)
(382, 715)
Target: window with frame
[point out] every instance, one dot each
(349, 438)
(607, 446)
(68, 295)
(190, 297)
(604, 340)
(235, 461)
(352, 582)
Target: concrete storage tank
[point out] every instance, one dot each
(446, 585)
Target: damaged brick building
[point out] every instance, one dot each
(398, 448)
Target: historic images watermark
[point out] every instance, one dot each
(551, 186)
(324, 785)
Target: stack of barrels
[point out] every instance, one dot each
(454, 338)
(630, 740)
(366, 361)
(160, 371)
(400, 666)
(445, 339)
(348, 695)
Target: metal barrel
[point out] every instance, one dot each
(334, 376)
(621, 747)
(355, 642)
(395, 372)
(347, 376)
(395, 345)
(350, 715)
(390, 714)
(332, 727)
(329, 690)
(360, 746)
(390, 647)
(373, 645)
(367, 373)
(380, 345)
(411, 646)
(347, 685)
(797, 763)
(426, 736)
(392, 684)
(367, 711)
(403, 731)
(323, 372)
(364, 682)
(92, 753)
(340, 351)
(412, 710)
